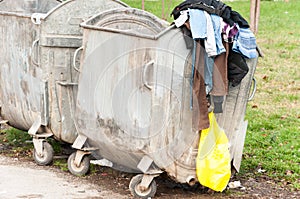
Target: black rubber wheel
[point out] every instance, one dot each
(80, 170)
(46, 157)
(136, 192)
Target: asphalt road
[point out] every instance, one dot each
(19, 180)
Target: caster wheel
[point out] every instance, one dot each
(46, 157)
(82, 168)
(134, 187)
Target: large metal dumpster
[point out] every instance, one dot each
(133, 103)
(38, 80)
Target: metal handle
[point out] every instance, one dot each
(36, 18)
(253, 90)
(75, 56)
(34, 44)
(144, 74)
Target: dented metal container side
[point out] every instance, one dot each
(134, 95)
(234, 109)
(136, 89)
(21, 88)
(60, 37)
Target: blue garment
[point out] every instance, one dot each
(245, 43)
(198, 28)
(208, 72)
(216, 21)
(198, 23)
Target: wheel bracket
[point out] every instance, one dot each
(38, 146)
(146, 181)
(79, 156)
(79, 142)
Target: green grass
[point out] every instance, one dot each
(272, 141)
(15, 143)
(155, 7)
(14, 137)
(62, 164)
(272, 144)
(273, 137)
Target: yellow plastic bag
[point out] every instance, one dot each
(213, 159)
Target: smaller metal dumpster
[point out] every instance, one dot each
(19, 80)
(38, 81)
(60, 36)
(133, 104)
(21, 94)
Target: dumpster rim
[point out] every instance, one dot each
(27, 15)
(166, 29)
(140, 35)
(50, 12)
(16, 14)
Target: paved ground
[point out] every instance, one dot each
(19, 180)
(23, 179)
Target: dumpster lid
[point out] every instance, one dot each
(63, 4)
(24, 8)
(128, 21)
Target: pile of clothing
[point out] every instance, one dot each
(221, 41)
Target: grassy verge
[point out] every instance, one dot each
(156, 7)
(15, 143)
(272, 142)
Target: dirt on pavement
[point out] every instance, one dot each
(259, 188)
(22, 178)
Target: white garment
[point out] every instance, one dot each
(210, 41)
(182, 18)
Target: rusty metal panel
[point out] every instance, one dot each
(20, 82)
